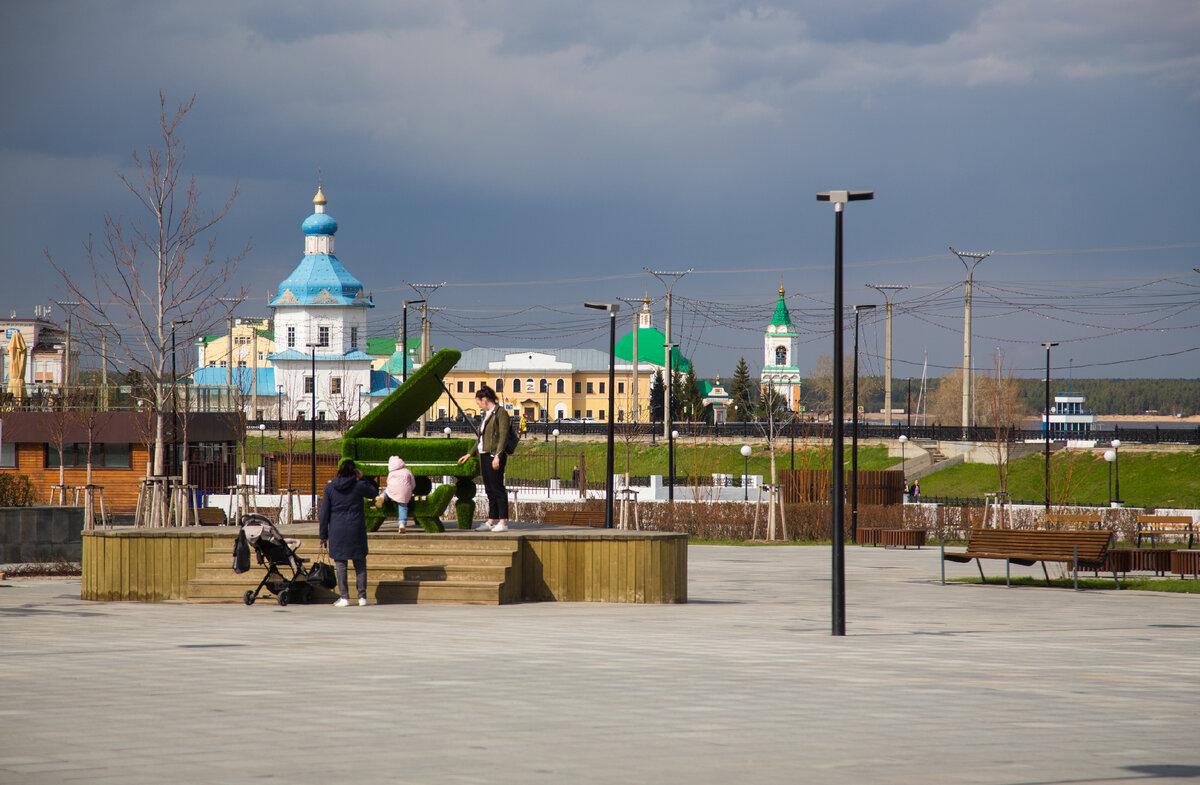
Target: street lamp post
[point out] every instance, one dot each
(837, 492)
(546, 411)
(175, 462)
(312, 419)
(358, 396)
(745, 451)
(446, 431)
(612, 309)
(1116, 445)
(672, 436)
(555, 434)
(1046, 425)
(903, 440)
(262, 434)
(1109, 457)
(279, 408)
(858, 309)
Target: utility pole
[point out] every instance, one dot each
(233, 302)
(967, 410)
(66, 305)
(631, 302)
(884, 289)
(425, 290)
(668, 360)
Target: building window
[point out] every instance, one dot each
(335, 385)
(212, 363)
(781, 355)
(561, 389)
(224, 363)
(114, 455)
(590, 391)
(470, 386)
(499, 385)
(576, 414)
(602, 391)
(601, 414)
(543, 386)
(589, 413)
(291, 337)
(309, 387)
(8, 455)
(353, 337)
(241, 363)
(620, 388)
(516, 386)
(323, 336)
(460, 387)
(578, 389)
(529, 386)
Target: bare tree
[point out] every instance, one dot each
(945, 400)
(1002, 410)
(156, 273)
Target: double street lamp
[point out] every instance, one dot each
(839, 200)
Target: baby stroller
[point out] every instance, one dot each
(273, 552)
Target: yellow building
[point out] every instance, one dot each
(563, 385)
(251, 343)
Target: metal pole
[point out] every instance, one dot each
(312, 417)
(887, 344)
(967, 408)
(1046, 425)
(668, 361)
(854, 436)
(839, 199)
(612, 416)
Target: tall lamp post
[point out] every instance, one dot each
(612, 309)
(175, 462)
(312, 419)
(1046, 424)
(1109, 457)
(1116, 445)
(745, 451)
(858, 309)
(555, 434)
(669, 420)
(546, 411)
(839, 200)
(672, 436)
(903, 440)
(262, 434)
(358, 397)
(279, 408)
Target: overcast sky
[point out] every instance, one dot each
(559, 148)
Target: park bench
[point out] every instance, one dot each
(1153, 526)
(1061, 521)
(593, 518)
(211, 516)
(1084, 548)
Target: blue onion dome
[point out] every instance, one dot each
(319, 223)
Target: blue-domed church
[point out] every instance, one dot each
(321, 318)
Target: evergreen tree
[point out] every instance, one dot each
(656, 397)
(679, 396)
(740, 393)
(693, 401)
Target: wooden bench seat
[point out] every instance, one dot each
(1154, 526)
(1085, 548)
(593, 518)
(211, 516)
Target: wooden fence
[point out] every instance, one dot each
(814, 485)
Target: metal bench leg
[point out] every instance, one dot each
(980, 566)
(1007, 573)
(943, 549)
(1045, 573)
(1074, 564)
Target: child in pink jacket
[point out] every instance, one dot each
(399, 488)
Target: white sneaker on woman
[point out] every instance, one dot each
(483, 526)
(362, 601)
(500, 527)
(341, 603)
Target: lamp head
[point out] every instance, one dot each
(1115, 443)
(903, 438)
(554, 433)
(745, 451)
(1110, 456)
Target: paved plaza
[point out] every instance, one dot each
(744, 684)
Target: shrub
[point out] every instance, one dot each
(16, 490)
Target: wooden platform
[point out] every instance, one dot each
(195, 565)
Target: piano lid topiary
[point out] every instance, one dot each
(409, 401)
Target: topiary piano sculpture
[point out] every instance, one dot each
(374, 438)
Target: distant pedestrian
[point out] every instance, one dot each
(916, 490)
(399, 488)
(343, 527)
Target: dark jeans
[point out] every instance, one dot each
(493, 484)
(360, 577)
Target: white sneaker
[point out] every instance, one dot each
(483, 526)
(341, 603)
(362, 601)
(500, 527)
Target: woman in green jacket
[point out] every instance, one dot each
(493, 433)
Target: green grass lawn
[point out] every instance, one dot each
(1148, 479)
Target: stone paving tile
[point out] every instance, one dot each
(955, 683)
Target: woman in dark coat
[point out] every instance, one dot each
(344, 527)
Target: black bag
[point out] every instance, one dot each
(514, 435)
(322, 574)
(241, 554)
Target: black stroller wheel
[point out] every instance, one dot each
(248, 597)
(283, 596)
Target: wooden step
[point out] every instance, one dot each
(456, 569)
